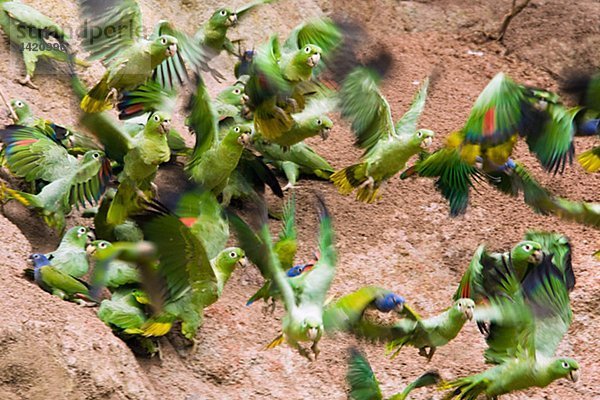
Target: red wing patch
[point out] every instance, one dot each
(489, 122)
(188, 221)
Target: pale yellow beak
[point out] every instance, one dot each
(574, 375)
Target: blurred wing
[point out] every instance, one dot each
(364, 105)
(32, 155)
(202, 121)
(408, 123)
(559, 246)
(90, 181)
(240, 12)
(109, 27)
(148, 98)
(348, 310)
(470, 284)
(28, 16)
(109, 132)
(360, 377)
(318, 280)
(322, 32)
(497, 112)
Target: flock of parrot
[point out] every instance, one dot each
(155, 260)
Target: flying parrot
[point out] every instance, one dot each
(55, 281)
(129, 58)
(213, 159)
(387, 147)
(364, 385)
(528, 322)
(70, 257)
(299, 159)
(348, 313)
(503, 111)
(32, 155)
(586, 87)
(117, 273)
(35, 35)
(303, 321)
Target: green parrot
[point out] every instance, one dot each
(348, 313)
(33, 33)
(128, 231)
(528, 322)
(503, 111)
(130, 59)
(364, 385)
(387, 147)
(213, 159)
(278, 85)
(34, 156)
(586, 89)
(303, 321)
(285, 248)
(118, 273)
(70, 257)
(57, 282)
(299, 159)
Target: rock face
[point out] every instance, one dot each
(51, 349)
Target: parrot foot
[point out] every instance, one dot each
(83, 303)
(315, 349)
(27, 82)
(217, 76)
(194, 348)
(289, 186)
(247, 113)
(154, 189)
(269, 307)
(113, 94)
(423, 352)
(310, 356)
(324, 133)
(369, 183)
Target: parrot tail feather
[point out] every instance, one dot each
(156, 328)
(395, 346)
(349, 178)
(279, 340)
(96, 100)
(590, 160)
(464, 388)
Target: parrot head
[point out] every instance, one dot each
(233, 95)
(466, 307)
(423, 137)
(159, 122)
(39, 260)
(140, 296)
(320, 125)
(21, 109)
(389, 302)
(230, 257)
(542, 97)
(299, 269)
(164, 45)
(242, 134)
(565, 368)
(312, 328)
(78, 235)
(528, 251)
(224, 18)
(97, 246)
(310, 55)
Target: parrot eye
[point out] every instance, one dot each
(19, 104)
(163, 41)
(237, 91)
(96, 155)
(233, 254)
(307, 49)
(319, 122)
(223, 13)
(156, 118)
(419, 134)
(527, 247)
(236, 129)
(81, 230)
(103, 245)
(565, 365)
(36, 256)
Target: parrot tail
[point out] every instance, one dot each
(463, 388)
(155, 328)
(352, 177)
(123, 204)
(395, 346)
(272, 123)
(54, 220)
(97, 98)
(279, 340)
(427, 379)
(590, 160)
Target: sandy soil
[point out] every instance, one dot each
(406, 242)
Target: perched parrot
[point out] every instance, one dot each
(529, 317)
(35, 35)
(118, 273)
(213, 160)
(285, 248)
(348, 313)
(303, 321)
(281, 81)
(503, 111)
(70, 257)
(57, 282)
(299, 159)
(130, 59)
(586, 87)
(364, 385)
(34, 156)
(387, 147)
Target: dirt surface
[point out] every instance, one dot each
(405, 242)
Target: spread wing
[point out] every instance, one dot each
(408, 123)
(22, 14)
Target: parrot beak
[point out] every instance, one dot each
(90, 250)
(91, 236)
(469, 314)
(427, 141)
(574, 375)
(244, 262)
(245, 140)
(233, 19)
(313, 333)
(324, 133)
(245, 99)
(165, 127)
(171, 50)
(536, 257)
(313, 60)
(399, 307)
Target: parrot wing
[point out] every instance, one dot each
(100, 20)
(322, 32)
(147, 98)
(202, 121)
(361, 379)
(362, 102)
(241, 11)
(23, 14)
(91, 180)
(560, 246)
(32, 155)
(408, 123)
(55, 278)
(318, 280)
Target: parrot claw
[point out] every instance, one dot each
(269, 307)
(194, 348)
(83, 303)
(370, 183)
(315, 349)
(112, 94)
(424, 353)
(289, 186)
(217, 76)
(27, 82)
